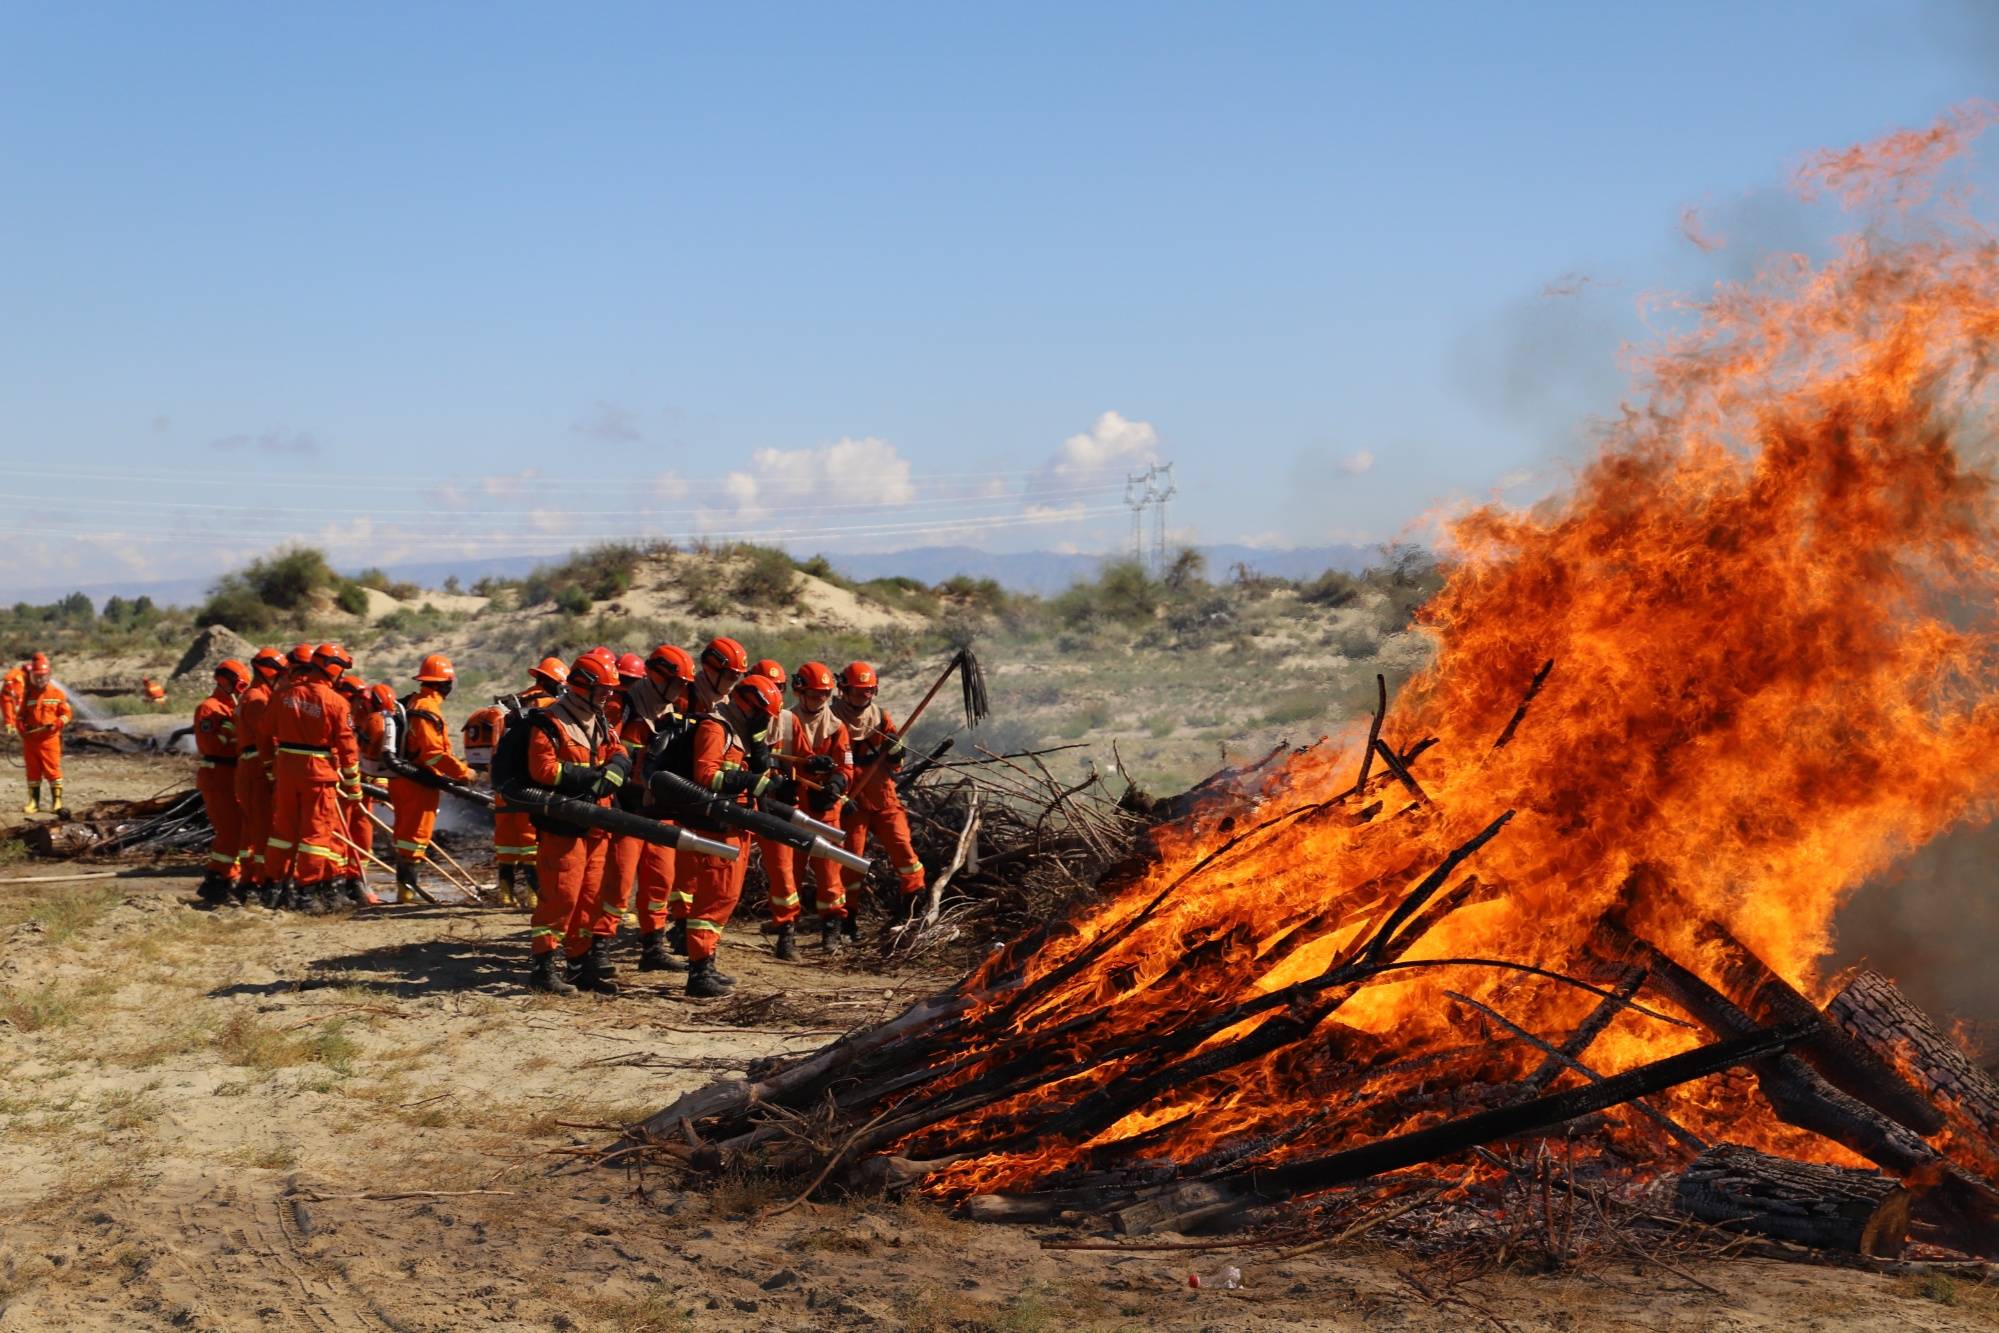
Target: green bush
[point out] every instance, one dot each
(1410, 576)
(976, 596)
(1089, 718)
(275, 590)
(1188, 569)
(352, 598)
(380, 582)
(598, 574)
(765, 578)
(1335, 587)
(898, 593)
(571, 600)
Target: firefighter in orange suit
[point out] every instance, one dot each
(779, 866)
(253, 793)
(716, 756)
(573, 752)
(426, 744)
(820, 757)
(721, 668)
(656, 713)
(513, 830)
(360, 830)
(612, 895)
(874, 806)
(43, 713)
(12, 686)
(310, 746)
(215, 778)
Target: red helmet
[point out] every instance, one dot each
(351, 685)
(631, 667)
(605, 655)
(813, 678)
(332, 659)
(550, 673)
(770, 671)
(268, 660)
(383, 697)
(589, 670)
(859, 676)
(725, 655)
(38, 665)
(238, 674)
(300, 655)
(672, 663)
(758, 698)
(436, 669)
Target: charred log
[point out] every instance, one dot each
(1826, 1207)
(1872, 1011)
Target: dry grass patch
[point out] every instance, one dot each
(62, 910)
(654, 1311)
(54, 1004)
(251, 1043)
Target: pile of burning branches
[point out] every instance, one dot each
(1590, 898)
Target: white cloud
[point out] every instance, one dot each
(1356, 463)
(1113, 442)
(867, 471)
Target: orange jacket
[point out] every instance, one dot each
(215, 731)
(309, 732)
(43, 710)
(805, 738)
(250, 711)
(12, 686)
(578, 739)
(872, 733)
(716, 751)
(428, 744)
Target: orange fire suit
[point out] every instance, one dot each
(808, 737)
(513, 830)
(568, 740)
(874, 806)
(44, 712)
(12, 687)
(253, 783)
(215, 778)
(637, 873)
(428, 746)
(710, 884)
(370, 736)
(309, 743)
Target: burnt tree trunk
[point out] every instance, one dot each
(1874, 1013)
(1826, 1207)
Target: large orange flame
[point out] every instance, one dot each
(1770, 604)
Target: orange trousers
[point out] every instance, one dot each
(306, 818)
(253, 806)
(569, 870)
(416, 817)
(655, 886)
(41, 751)
(360, 831)
(712, 887)
(513, 837)
(888, 825)
(780, 878)
(614, 888)
(217, 785)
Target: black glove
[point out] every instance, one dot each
(576, 780)
(735, 781)
(826, 795)
(614, 772)
(819, 765)
(756, 756)
(784, 790)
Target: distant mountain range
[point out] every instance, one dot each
(1018, 571)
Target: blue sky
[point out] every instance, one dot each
(418, 281)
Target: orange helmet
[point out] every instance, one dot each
(351, 685)
(550, 673)
(589, 670)
(436, 669)
(38, 665)
(812, 678)
(268, 661)
(770, 671)
(758, 698)
(238, 674)
(725, 655)
(671, 662)
(859, 676)
(332, 659)
(630, 667)
(300, 655)
(382, 696)
(603, 654)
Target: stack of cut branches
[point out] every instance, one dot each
(173, 822)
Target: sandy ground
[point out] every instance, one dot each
(206, 1120)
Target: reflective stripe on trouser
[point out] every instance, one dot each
(253, 802)
(306, 819)
(42, 755)
(513, 838)
(780, 879)
(614, 887)
(569, 869)
(889, 827)
(655, 885)
(218, 797)
(416, 817)
(712, 886)
(832, 888)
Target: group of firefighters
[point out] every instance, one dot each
(32, 704)
(292, 747)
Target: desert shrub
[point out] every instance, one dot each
(1089, 718)
(598, 574)
(900, 594)
(1335, 587)
(352, 598)
(275, 590)
(1354, 642)
(819, 567)
(402, 591)
(976, 596)
(1410, 576)
(1295, 705)
(1126, 594)
(765, 578)
(416, 621)
(571, 600)
(1187, 569)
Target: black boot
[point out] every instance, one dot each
(829, 934)
(308, 900)
(595, 973)
(676, 938)
(544, 976)
(704, 982)
(287, 896)
(214, 890)
(653, 956)
(787, 943)
(267, 896)
(850, 925)
(406, 883)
